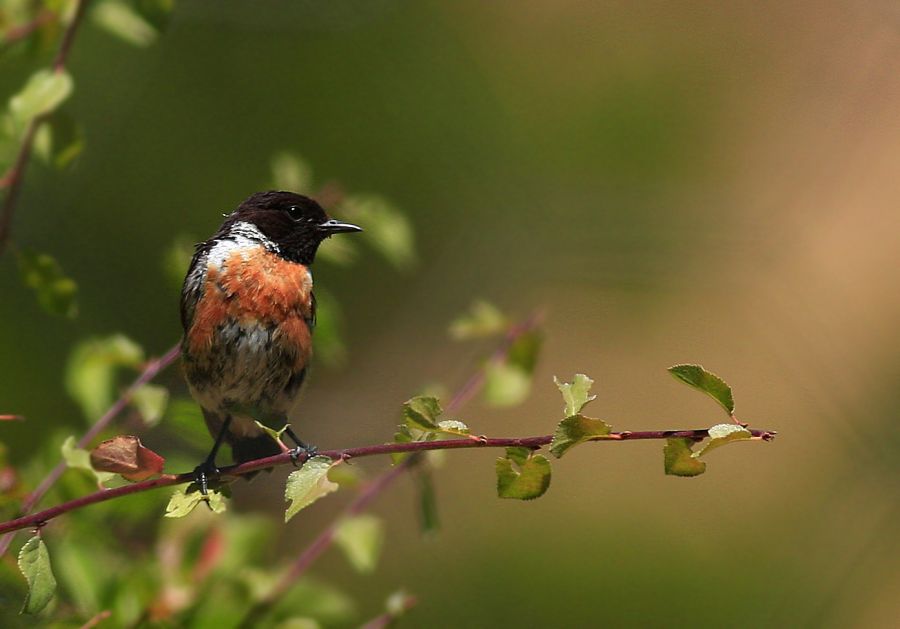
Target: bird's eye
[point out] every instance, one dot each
(295, 212)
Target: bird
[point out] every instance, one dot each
(248, 311)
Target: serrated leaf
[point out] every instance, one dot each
(483, 319)
(80, 459)
(575, 430)
(127, 456)
(721, 434)
(529, 481)
(576, 393)
(216, 502)
(90, 373)
(56, 293)
(34, 562)
(403, 435)
(186, 499)
(44, 92)
(308, 484)
(361, 538)
(150, 400)
(125, 23)
(386, 228)
(679, 460)
(422, 412)
(505, 385)
(453, 427)
(703, 380)
(291, 172)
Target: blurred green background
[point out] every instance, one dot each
(671, 182)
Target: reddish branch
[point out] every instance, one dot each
(151, 369)
(16, 174)
(41, 518)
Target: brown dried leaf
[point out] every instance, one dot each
(126, 455)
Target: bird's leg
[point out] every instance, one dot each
(302, 448)
(208, 469)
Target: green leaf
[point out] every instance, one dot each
(576, 394)
(361, 538)
(575, 430)
(508, 383)
(702, 380)
(308, 484)
(34, 562)
(125, 23)
(55, 292)
(59, 140)
(422, 412)
(177, 259)
(90, 373)
(338, 251)
(721, 434)
(330, 346)
(385, 227)
(505, 384)
(80, 459)
(150, 400)
(44, 92)
(453, 427)
(183, 501)
(275, 434)
(482, 320)
(529, 481)
(524, 351)
(215, 500)
(291, 172)
(680, 460)
(429, 519)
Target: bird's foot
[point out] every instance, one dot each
(204, 473)
(305, 450)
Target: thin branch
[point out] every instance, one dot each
(40, 519)
(381, 483)
(59, 64)
(323, 542)
(151, 369)
(16, 174)
(18, 33)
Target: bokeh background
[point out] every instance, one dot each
(670, 182)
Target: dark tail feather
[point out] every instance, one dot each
(251, 448)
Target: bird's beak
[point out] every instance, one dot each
(331, 226)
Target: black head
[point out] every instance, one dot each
(296, 223)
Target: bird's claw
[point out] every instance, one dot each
(307, 451)
(203, 473)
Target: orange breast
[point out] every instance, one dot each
(254, 286)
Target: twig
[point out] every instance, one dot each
(380, 484)
(96, 620)
(41, 518)
(18, 33)
(150, 371)
(14, 177)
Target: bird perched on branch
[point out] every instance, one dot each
(248, 311)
